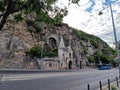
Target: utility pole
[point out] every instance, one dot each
(115, 36)
(117, 59)
(114, 29)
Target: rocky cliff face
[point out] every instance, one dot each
(15, 40)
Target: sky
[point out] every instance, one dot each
(84, 16)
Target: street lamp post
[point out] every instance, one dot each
(41, 57)
(115, 36)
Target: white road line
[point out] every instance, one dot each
(43, 75)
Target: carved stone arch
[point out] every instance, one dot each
(52, 40)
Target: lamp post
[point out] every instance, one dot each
(115, 36)
(114, 29)
(41, 56)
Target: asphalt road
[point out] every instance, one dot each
(73, 80)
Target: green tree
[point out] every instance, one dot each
(91, 59)
(36, 52)
(51, 53)
(94, 43)
(99, 56)
(41, 7)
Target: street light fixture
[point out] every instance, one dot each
(115, 36)
(114, 29)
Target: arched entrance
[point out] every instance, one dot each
(80, 64)
(70, 65)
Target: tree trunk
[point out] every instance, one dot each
(3, 21)
(10, 10)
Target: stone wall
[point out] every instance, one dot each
(14, 41)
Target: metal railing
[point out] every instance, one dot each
(109, 85)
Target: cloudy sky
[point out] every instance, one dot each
(85, 17)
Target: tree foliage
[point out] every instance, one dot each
(51, 53)
(41, 7)
(36, 51)
(91, 59)
(105, 58)
(87, 37)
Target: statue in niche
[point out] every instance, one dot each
(52, 42)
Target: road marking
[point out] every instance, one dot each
(37, 76)
(15, 77)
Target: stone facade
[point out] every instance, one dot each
(65, 59)
(16, 40)
(65, 54)
(90, 49)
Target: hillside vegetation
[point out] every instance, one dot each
(103, 52)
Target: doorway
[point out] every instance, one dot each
(70, 65)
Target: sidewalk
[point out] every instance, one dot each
(113, 86)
